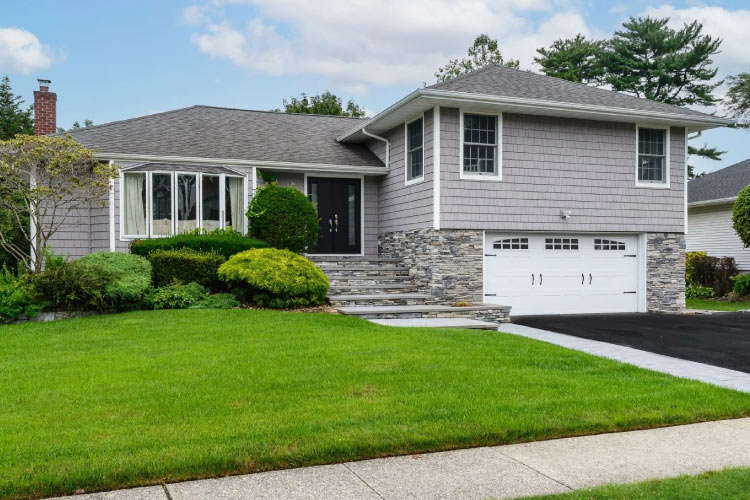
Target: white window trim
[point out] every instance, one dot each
(224, 201)
(150, 203)
(149, 200)
(498, 145)
(123, 236)
(415, 180)
(667, 159)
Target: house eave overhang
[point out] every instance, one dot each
(277, 166)
(718, 201)
(423, 99)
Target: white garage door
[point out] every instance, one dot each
(561, 274)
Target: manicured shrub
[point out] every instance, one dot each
(222, 242)
(177, 296)
(275, 278)
(218, 301)
(186, 265)
(714, 272)
(742, 284)
(741, 216)
(70, 286)
(699, 292)
(132, 278)
(16, 296)
(284, 217)
(689, 260)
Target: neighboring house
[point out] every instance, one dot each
(710, 201)
(502, 186)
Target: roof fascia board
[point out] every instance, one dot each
(269, 165)
(555, 106)
(718, 201)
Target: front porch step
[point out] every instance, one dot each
(364, 281)
(469, 324)
(352, 259)
(490, 312)
(369, 289)
(371, 299)
(358, 268)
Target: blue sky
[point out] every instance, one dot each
(116, 59)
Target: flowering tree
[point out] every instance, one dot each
(46, 179)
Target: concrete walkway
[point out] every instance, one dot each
(715, 375)
(510, 471)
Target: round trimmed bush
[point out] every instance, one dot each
(742, 284)
(131, 277)
(741, 215)
(283, 217)
(275, 278)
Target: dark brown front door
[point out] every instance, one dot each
(339, 206)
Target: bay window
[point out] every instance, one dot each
(158, 203)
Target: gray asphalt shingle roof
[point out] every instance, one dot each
(212, 132)
(502, 81)
(724, 183)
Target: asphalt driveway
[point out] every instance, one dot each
(717, 339)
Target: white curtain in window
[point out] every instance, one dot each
(135, 206)
(235, 188)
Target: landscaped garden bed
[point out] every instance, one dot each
(143, 397)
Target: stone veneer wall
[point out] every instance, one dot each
(665, 272)
(447, 263)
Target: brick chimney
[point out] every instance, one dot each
(45, 109)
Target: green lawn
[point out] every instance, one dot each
(138, 398)
(728, 484)
(716, 305)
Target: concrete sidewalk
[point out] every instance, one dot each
(510, 471)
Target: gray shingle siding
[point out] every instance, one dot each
(552, 164)
(405, 207)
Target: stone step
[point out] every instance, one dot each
(352, 260)
(470, 324)
(342, 300)
(360, 268)
(369, 289)
(485, 312)
(385, 279)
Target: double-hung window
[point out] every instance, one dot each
(415, 150)
(652, 157)
(480, 145)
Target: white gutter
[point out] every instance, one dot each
(268, 165)
(387, 146)
(547, 106)
(718, 201)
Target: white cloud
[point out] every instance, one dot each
(22, 52)
(356, 43)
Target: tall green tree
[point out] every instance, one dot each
(483, 51)
(737, 99)
(576, 59)
(323, 104)
(649, 59)
(76, 126)
(13, 118)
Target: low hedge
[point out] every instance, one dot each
(714, 272)
(69, 286)
(275, 278)
(17, 296)
(186, 265)
(226, 243)
(131, 279)
(742, 284)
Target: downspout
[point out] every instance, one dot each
(387, 146)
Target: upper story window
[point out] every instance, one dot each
(415, 150)
(480, 145)
(653, 157)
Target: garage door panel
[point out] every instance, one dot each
(562, 274)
